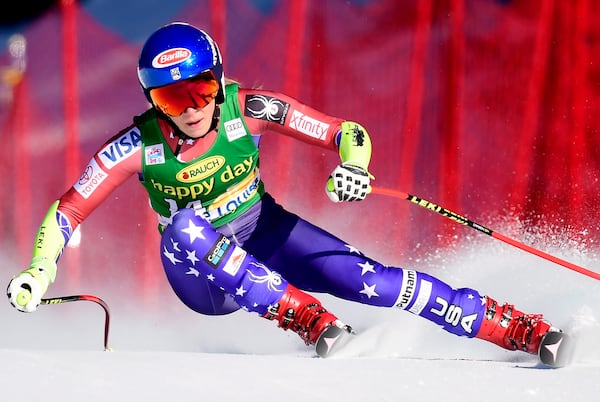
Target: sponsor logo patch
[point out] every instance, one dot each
(407, 290)
(235, 261)
(175, 73)
(309, 126)
(266, 108)
(215, 254)
(235, 196)
(193, 191)
(121, 148)
(422, 297)
(235, 129)
(201, 169)
(154, 154)
(90, 179)
(171, 57)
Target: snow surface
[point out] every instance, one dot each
(163, 352)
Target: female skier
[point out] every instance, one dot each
(225, 242)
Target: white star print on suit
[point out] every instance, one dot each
(195, 232)
(369, 290)
(366, 267)
(170, 256)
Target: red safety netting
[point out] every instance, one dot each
(488, 108)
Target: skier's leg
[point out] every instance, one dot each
(315, 260)
(465, 312)
(211, 275)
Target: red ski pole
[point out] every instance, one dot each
(97, 300)
(464, 221)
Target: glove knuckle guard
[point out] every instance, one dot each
(25, 282)
(350, 183)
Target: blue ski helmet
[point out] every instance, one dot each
(176, 52)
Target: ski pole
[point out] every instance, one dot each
(97, 300)
(464, 221)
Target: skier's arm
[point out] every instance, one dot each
(273, 111)
(278, 113)
(100, 177)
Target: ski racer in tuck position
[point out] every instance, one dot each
(226, 243)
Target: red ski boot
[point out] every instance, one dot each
(303, 314)
(512, 329)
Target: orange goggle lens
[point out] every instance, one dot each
(196, 92)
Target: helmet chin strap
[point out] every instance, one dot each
(183, 136)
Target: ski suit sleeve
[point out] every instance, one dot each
(26, 289)
(274, 111)
(281, 114)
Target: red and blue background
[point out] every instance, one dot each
(486, 107)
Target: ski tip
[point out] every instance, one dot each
(557, 349)
(332, 339)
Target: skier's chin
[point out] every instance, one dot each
(196, 130)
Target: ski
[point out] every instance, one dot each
(332, 339)
(556, 349)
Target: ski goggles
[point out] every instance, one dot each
(195, 92)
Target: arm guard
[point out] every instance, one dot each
(51, 238)
(350, 181)
(354, 145)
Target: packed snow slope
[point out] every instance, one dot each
(162, 351)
